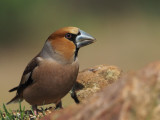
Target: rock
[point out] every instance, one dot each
(94, 79)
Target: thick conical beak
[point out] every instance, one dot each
(84, 39)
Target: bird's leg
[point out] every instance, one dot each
(59, 105)
(74, 95)
(35, 110)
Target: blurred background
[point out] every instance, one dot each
(127, 33)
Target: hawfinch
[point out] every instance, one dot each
(51, 74)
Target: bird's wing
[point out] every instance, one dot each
(26, 79)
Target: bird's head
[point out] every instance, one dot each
(67, 41)
(74, 35)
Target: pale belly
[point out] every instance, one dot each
(51, 83)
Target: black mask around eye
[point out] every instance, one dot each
(71, 37)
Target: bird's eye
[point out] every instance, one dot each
(68, 36)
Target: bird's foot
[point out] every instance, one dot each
(74, 95)
(59, 105)
(35, 110)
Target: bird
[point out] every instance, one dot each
(52, 73)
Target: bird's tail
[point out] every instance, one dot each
(15, 100)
